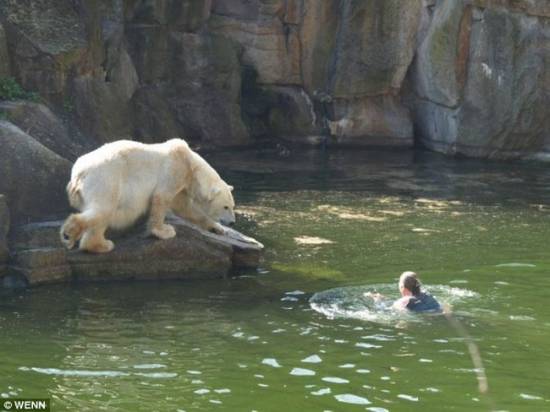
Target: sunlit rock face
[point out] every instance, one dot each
(458, 76)
(481, 80)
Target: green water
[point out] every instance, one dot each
(254, 342)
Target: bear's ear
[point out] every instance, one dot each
(230, 187)
(213, 192)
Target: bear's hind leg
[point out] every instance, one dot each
(72, 229)
(155, 224)
(93, 239)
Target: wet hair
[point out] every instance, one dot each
(409, 280)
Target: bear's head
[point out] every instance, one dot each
(220, 206)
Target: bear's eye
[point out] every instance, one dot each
(226, 207)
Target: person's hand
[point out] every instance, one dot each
(374, 295)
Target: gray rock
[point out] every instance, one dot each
(371, 121)
(46, 41)
(154, 117)
(292, 115)
(187, 16)
(204, 81)
(102, 109)
(355, 57)
(440, 70)
(44, 126)
(33, 177)
(494, 104)
(270, 46)
(155, 69)
(284, 112)
(318, 36)
(374, 47)
(192, 254)
(4, 56)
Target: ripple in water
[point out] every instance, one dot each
(312, 359)
(353, 399)
(302, 372)
(334, 379)
(351, 302)
(271, 362)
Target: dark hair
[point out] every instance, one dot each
(411, 282)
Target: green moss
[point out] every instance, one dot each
(11, 90)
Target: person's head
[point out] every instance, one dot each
(409, 284)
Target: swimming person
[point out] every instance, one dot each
(412, 296)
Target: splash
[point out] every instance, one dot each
(354, 302)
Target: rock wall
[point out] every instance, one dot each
(458, 76)
(4, 228)
(481, 79)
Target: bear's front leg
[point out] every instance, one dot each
(184, 207)
(155, 224)
(217, 228)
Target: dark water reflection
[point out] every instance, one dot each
(329, 220)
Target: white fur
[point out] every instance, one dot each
(119, 182)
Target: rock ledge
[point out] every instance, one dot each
(39, 258)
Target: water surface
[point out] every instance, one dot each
(476, 232)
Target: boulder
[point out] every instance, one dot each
(192, 254)
(4, 229)
(33, 177)
(45, 127)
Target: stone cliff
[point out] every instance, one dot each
(458, 76)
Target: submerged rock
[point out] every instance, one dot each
(193, 254)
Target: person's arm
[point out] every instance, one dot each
(401, 303)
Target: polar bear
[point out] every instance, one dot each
(115, 185)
